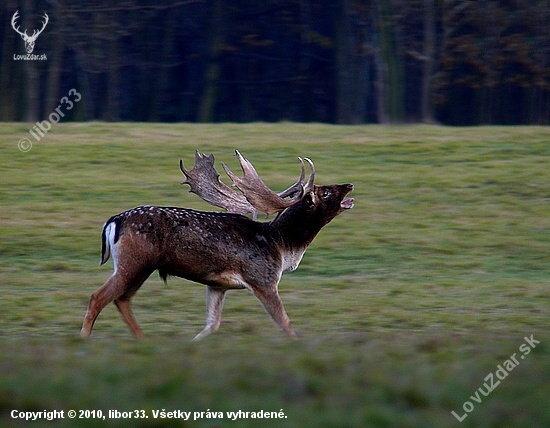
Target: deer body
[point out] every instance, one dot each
(220, 250)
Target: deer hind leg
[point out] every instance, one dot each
(123, 305)
(272, 303)
(214, 305)
(119, 289)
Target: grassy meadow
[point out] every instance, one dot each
(404, 304)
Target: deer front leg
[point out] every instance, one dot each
(214, 306)
(272, 303)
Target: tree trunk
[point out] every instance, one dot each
(112, 113)
(428, 56)
(213, 69)
(343, 69)
(391, 56)
(381, 84)
(160, 89)
(55, 61)
(86, 104)
(8, 71)
(308, 104)
(351, 66)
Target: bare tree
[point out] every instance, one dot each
(213, 69)
(428, 61)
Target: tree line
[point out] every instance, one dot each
(457, 62)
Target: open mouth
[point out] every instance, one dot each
(347, 204)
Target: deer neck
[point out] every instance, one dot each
(298, 226)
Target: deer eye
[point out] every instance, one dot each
(326, 193)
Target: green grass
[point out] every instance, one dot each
(404, 304)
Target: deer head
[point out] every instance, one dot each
(29, 40)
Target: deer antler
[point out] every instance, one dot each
(205, 181)
(309, 185)
(262, 197)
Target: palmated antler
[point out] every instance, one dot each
(262, 197)
(205, 181)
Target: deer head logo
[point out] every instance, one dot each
(29, 40)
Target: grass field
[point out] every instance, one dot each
(406, 305)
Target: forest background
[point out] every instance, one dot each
(454, 62)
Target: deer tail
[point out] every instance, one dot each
(109, 237)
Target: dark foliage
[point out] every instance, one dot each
(458, 62)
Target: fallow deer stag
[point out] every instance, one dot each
(220, 250)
